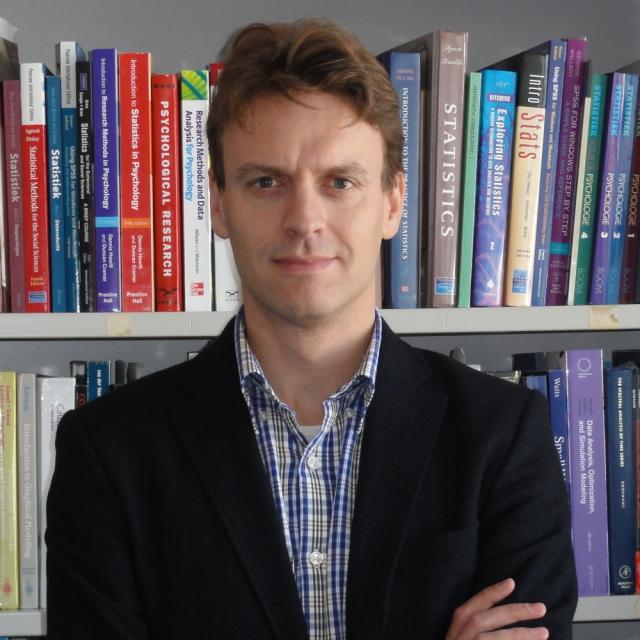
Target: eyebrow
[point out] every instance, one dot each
(249, 169)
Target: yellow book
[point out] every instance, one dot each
(9, 589)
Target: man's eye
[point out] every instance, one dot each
(265, 182)
(342, 183)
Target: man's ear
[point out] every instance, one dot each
(218, 221)
(394, 198)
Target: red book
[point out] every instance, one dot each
(136, 216)
(167, 193)
(34, 188)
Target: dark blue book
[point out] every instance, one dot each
(56, 194)
(98, 378)
(402, 252)
(557, 396)
(621, 481)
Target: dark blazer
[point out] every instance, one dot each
(161, 522)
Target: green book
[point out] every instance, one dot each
(468, 207)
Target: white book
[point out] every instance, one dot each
(197, 235)
(28, 492)
(56, 396)
(227, 280)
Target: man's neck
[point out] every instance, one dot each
(305, 365)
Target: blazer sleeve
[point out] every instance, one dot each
(91, 581)
(525, 528)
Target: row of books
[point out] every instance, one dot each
(31, 407)
(523, 178)
(107, 188)
(594, 412)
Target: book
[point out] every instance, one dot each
(566, 171)
(167, 196)
(68, 54)
(56, 183)
(557, 395)
(402, 252)
(9, 588)
(585, 402)
(29, 560)
(197, 236)
(98, 378)
(78, 371)
(136, 182)
(35, 187)
(104, 105)
(494, 173)
(525, 179)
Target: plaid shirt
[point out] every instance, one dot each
(313, 483)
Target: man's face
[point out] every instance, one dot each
(304, 207)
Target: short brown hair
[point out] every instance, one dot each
(312, 54)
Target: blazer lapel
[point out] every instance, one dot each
(215, 427)
(402, 423)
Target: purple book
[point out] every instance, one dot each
(104, 106)
(566, 172)
(585, 401)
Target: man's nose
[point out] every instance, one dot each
(305, 211)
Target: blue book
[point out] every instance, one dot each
(621, 482)
(67, 54)
(557, 395)
(498, 106)
(98, 378)
(402, 252)
(56, 194)
(557, 50)
(536, 381)
(104, 106)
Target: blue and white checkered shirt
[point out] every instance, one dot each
(313, 483)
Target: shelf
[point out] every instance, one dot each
(17, 326)
(23, 623)
(608, 608)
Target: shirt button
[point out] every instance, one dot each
(313, 462)
(316, 558)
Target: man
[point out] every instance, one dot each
(309, 474)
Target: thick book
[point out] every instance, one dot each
(469, 177)
(98, 378)
(197, 235)
(86, 212)
(104, 105)
(136, 186)
(9, 588)
(167, 196)
(525, 178)
(401, 257)
(621, 473)
(56, 183)
(586, 212)
(11, 113)
(35, 187)
(29, 561)
(494, 174)
(566, 172)
(557, 396)
(68, 54)
(585, 401)
(557, 51)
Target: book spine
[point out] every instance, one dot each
(9, 588)
(564, 196)
(621, 199)
(469, 175)
(602, 249)
(56, 195)
(34, 186)
(98, 378)
(104, 104)
(86, 213)
(536, 382)
(585, 400)
(450, 62)
(167, 201)
(13, 175)
(494, 173)
(136, 182)
(198, 265)
(27, 492)
(621, 480)
(553, 108)
(525, 180)
(401, 264)
(557, 395)
(4, 229)
(588, 206)
(68, 54)
(636, 422)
